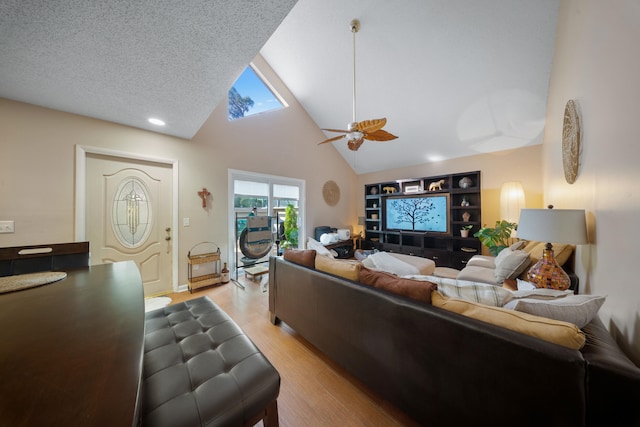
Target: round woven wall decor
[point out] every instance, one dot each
(571, 141)
(331, 193)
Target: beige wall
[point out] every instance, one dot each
(37, 164)
(596, 64)
(521, 165)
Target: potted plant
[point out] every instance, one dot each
(497, 238)
(290, 228)
(464, 230)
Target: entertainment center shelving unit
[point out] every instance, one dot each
(447, 249)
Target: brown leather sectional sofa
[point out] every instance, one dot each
(445, 369)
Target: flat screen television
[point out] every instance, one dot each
(419, 213)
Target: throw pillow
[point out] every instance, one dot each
(474, 273)
(391, 264)
(520, 244)
(472, 291)
(338, 267)
(319, 248)
(306, 257)
(557, 332)
(415, 289)
(576, 309)
(502, 255)
(484, 261)
(510, 264)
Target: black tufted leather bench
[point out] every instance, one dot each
(200, 369)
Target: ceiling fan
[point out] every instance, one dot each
(357, 132)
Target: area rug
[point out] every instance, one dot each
(155, 303)
(31, 280)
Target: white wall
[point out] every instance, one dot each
(597, 63)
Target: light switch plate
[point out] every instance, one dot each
(7, 227)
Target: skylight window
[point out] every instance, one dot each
(250, 95)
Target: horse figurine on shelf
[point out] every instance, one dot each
(436, 185)
(389, 190)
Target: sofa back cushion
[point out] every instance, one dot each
(558, 332)
(416, 289)
(306, 257)
(339, 267)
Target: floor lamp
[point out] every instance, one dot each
(557, 226)
(511, 203)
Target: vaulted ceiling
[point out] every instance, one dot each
(127, 60)
(453, 78)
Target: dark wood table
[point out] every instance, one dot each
(71, 351)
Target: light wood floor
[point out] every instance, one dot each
(314, 391)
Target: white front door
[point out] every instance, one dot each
(129, 216)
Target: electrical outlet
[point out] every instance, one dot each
(7, 227)
(185, 222)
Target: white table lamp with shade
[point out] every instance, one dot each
(552, 226)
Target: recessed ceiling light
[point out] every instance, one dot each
(156, 122)
(435, 158)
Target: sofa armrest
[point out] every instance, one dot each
(613, 381)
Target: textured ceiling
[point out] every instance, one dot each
(453, 78)
(127, 60)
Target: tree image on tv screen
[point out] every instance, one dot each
(417, 214)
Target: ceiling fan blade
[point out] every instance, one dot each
(379, 135)
(335, 138)
(369, 126)
(335, 130)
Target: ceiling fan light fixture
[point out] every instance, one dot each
(357, 132)
(354, 25)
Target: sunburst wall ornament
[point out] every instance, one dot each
(358, 132)
(571, 140)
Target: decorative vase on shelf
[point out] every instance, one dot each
(464, 202)
(464, 233)
(465, 182)
(466, 216)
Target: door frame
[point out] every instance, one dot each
(81, 187)
(232, 175)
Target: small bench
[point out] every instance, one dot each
(257, 271)
(201, 369)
